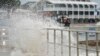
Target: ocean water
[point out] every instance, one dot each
(29, 34)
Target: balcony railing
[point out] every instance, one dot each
(81, 16)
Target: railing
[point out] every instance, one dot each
(81, 16)
(59, 40)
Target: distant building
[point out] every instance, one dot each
(81, 11)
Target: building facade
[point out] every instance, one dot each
(78, 11)
(81, 12)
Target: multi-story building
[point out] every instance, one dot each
(78, 11)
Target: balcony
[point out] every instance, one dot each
(82, 16)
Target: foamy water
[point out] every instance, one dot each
(29, 36)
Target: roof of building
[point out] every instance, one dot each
(70, 2)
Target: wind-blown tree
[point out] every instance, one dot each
(9, 3)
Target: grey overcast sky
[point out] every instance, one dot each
(24, 1)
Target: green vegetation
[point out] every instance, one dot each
(9, 3)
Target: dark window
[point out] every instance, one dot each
(86, 6)
(48, 3)
(86, 20)
(70, 12)
(81, 12)
(86, 13)
(78, 0)
(98, 13)
(69, 5)
(62, 13)
(75, 12)
(91, 6)
(81, 6)
(80, 20)
(60, 5)
(83, 0)
(95, 6)
(91, 20)
(75, 6)
(91, 13)
(75, 20)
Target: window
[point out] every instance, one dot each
(70, 12)
(60, 5)
(91, 20)
(91, 6)
(95, 6)
(98, 13)
(86, 20)
(81, 6)
(75, 20)
(81, 12)
(75, 6)
(80, 20)
(69, 5)
(48, 3)
(62, 13)
(83, 0)
(75, 12)
(86, 6)
(91, 13)
(86, 13)
(77, 0)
